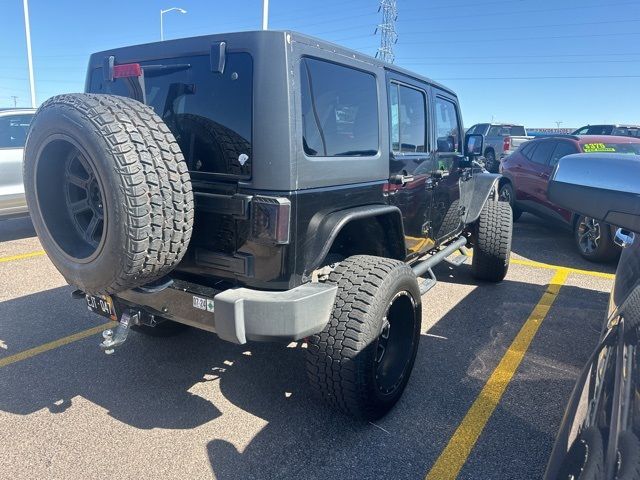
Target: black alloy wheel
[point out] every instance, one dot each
(395, 343)
(588, 235)
(84, 200)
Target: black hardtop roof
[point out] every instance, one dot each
(196, 45)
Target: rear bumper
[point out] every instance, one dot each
(240, 314)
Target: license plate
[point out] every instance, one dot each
(102, 305)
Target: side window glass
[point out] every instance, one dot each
(13, 130)
(472, 130)
(394, 105)
(542, 154)
(582, 131)
(412, 120)
(562, 149)
(528, 149)
(494, 131)
(447, 130)
(408, 119)
(339, 110)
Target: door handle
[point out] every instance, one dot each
(544, 175)
(624, 238)
(401, 179)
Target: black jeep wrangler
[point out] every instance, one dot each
(264, 186)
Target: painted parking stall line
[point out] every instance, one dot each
(455, 454)
(32, 352)
(13, 258)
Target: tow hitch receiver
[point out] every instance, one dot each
(113, 340)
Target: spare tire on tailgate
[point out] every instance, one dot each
(108, 191)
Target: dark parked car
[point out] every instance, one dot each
(619, 130)
(265, 186)
(599, 435)
(526, 175)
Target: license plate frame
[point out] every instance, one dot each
(102, 305)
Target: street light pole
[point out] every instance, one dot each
(265, 14)
(27, 30)
(162, 12)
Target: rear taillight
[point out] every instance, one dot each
(506, 144)
(127, 70)
(270, 219)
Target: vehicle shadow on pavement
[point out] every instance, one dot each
(148, 384)
(454, 360)
(551, 242)
(16, 228)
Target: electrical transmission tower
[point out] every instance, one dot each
(388, 34)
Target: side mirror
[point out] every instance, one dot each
(473, 145)
(603, 186)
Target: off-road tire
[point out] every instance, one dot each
(165, 329)
(341, 360)
(605, 251)
(507, 194)
(214, 141)
(492, 242)
(585, 459)
(143, 181)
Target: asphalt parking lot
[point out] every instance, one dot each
(494, 370)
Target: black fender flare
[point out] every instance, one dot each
(474, 193)
(325, 228)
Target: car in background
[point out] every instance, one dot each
(14, 126)
(526, 175)
(620, 130)
(500, 140)
(600, 432)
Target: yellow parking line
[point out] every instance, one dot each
(455, 454)
(531, 263)
(37, 253)
(32, 352)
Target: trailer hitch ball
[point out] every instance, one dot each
(112, 340)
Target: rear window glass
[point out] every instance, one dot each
(339, 110)
(633, 148)
(507, 130)
(209, 113)
(13, 130)
(596, 130)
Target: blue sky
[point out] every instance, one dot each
(575, 61)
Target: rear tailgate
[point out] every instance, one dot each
(515, 142)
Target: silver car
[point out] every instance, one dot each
(14, 125)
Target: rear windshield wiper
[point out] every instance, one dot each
(157, 70)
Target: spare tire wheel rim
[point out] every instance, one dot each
(81, 205)
(394, 348)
